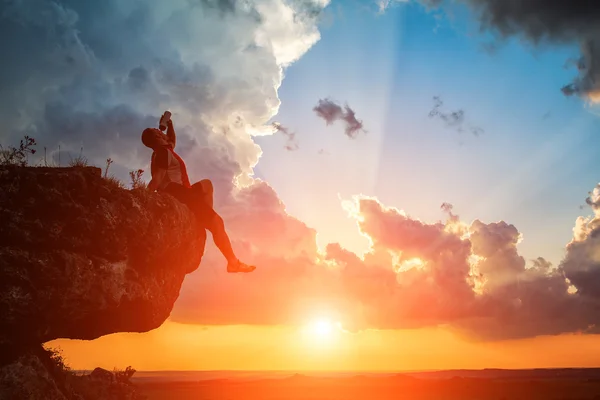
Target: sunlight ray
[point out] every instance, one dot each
(385, 109)
(529, 171)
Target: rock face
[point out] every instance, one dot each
(81, 257)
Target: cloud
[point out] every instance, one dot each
(330, 111)
(468, 277)
(581, 264)
(453, 119)
(384, 5)
(93, 75)
(553, 22)
(292, 143)
(103, 71)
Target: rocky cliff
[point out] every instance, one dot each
(81, 257)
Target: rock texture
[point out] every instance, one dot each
(28, 377)
(81, 257)
(38, 374)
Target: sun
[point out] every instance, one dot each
(321, 328)
(321, 331)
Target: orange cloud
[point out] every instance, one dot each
(468, 277)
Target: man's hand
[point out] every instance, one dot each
(171, 137)
(151, 187)
(157, 178)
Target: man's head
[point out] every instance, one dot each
(154, 138)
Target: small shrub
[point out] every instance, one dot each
(136, 179)
(123, 376)
(79, 161)
(112, 180)
(46, 158)
(109, 161)
(58, 359)
(114, 385)
(17, 155)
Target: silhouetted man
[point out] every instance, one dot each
(169, 175)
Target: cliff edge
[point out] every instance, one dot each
(82, 257)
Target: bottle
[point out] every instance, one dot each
(166, 117)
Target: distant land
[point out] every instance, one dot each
(488, 384)
(488, 373)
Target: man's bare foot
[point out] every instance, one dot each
(238, 266)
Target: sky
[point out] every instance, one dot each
(414, 180)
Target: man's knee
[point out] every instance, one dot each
(207, 186)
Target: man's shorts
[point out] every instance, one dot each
(194, 198)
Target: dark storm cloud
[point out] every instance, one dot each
(553, 21)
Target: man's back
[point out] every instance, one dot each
(165, 159)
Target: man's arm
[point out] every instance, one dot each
(160, 163)
(171, 138)
(157, 177)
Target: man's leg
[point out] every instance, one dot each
(214, 223)
(209, 219)
(216, 226)
(182, 194)
(205, 189)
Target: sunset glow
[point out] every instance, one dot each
(416, 181)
